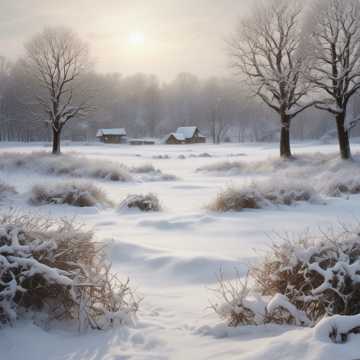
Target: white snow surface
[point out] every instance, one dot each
(172, 257)
(118, 131)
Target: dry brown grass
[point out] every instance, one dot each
(75, 194)
(298, 282)
(261, 195)
(57, 268)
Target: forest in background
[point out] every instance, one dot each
(222, 108)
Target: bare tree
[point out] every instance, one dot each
(58, 59)
(336, 49)
(268, 49)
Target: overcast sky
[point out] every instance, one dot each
(179, 35)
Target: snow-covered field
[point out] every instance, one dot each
(173, 256)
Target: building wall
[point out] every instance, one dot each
(113, 139)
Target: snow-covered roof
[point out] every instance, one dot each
(187, 131)
(178, 136)
(118, 131)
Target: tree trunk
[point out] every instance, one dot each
(343, 137)
(213, 127)
(56, 142)
(285, 151)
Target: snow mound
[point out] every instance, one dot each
(75, 194)
(148, 202)
(261, 195)
(337, 328)
(65, 165)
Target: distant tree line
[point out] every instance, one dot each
(302, 68)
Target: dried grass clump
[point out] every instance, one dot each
(56, 268)
(147, 203)
(75, 194)
(298, 282)
(238, 304)
(343, 185)
(65, 165)
(261, 195)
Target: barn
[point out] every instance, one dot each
(185, 135)
(112, 136)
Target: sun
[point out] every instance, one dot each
(136, 38)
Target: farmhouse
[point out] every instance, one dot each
(185, 135)
(112, 136)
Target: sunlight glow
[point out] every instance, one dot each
(136, 38)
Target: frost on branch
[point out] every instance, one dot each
(58, 269)
(239, 305)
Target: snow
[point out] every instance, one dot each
(173, 257)
(119, 131)
(186, 131)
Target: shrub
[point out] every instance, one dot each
(75, 194)
(239, 305)
(343, 185)
(261, 195)
(299, 282)
(149, 202)
(6, 190)
(58, 269)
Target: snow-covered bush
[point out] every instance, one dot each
(6, 190)
(260, 195)
(57, 268)
(300, 282)
(75, 194)
(65, 165)
(346, 184)
(148, 202)
(239, 305)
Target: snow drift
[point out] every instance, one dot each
(64, 165)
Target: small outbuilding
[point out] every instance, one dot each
(185, 135)
(112, 136)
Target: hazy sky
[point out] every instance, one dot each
(163, 37)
